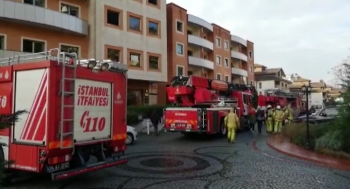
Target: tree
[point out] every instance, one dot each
(6, 121)
(342, 79)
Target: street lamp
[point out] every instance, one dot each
(306, 89)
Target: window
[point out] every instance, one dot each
(189, 53)
(69, 9)
(179, 26)
(218, 76)
(39, 3)
(226, 62)
(251, 69)
(134, 23)
(153, 28)
(250, 54)
(226, 79)
(70, 49)
(226, 45)
(135, 59)
(2, 42)
(113, 18)
(179, 49)
(154, 2)
(32, 46)
(153, 62)
(189, 73)
(252, 83)
(179, 71)
(260, 85)
(218, 60)
(113, 54)
(218, 42)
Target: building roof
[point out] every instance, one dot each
(270, 71)
(256, 65)
(301, 79)
(271, 78)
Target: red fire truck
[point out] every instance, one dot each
(276, 97)
(76, 109)
(203, 103)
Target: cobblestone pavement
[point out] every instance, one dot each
(173, 162)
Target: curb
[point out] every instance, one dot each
(309, 156)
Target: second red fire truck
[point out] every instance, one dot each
(202, 104)
(76, 109)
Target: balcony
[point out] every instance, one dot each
(195, 40)
(200, 22)
(238, 55)
(33, 15)
(240, 72)
(239, 40)
(200, 62)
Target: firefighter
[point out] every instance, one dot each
(289, 114)
(232, 123)
(269, 118)
(278, 119)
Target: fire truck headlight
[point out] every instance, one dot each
(189, 126)
(104, 66)
(92, 63)
(172, 125)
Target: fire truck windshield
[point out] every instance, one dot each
(179, 80)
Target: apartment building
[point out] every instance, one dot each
(270, 78)
(30, 26)
(132, 32)
(197, 47)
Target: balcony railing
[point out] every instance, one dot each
(192, 39)
(200, 62)
(34, 15)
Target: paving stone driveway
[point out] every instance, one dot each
(172, 161)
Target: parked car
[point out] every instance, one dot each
(131, 135)
(324, 116)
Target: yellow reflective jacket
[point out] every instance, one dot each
(269, 114)
(278, 115)
(289, 113)
(231, 120)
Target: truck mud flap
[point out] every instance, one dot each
(86, 169)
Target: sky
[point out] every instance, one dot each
(307, 37)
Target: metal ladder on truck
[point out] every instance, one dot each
(70, 65)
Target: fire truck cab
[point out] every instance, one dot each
(75, 109)
(203, 104)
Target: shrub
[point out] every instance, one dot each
(297, 133)
(145, 111)
(331, 140)
(335, 154)
(299, 129)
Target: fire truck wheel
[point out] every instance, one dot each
(6, 179)
(86, 157)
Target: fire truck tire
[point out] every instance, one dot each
(7, 179)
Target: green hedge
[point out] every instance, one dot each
(145, 111)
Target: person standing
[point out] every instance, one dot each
(252, 119)
(260, 116)
(232, 123)
(278, 118)
(269, 119)
(289, 114)
(155, 119)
